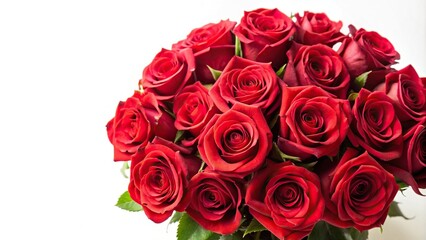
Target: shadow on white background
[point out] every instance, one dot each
(64, 65)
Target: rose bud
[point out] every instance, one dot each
(247, 82)
(236, 142)
(357, 192)
(312, 122)
(317, 65)
(213, 46)
(214, 201)
(265, 35)
(314, 28)
(159, 176)
(376, 126)
(286, 200)
(136, 122)
(367, 51)
(168, 73)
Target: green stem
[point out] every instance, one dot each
(257, 237)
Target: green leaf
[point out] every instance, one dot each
(124, 168)
(395, 211)
(325, 231)
(188, 229)
(254, 226)
(230, 237)
(280, 72)
(126, 202)
(238, 51)
(273, 121)
(284, 156)
(352, 96)
(215, 73)
(179, 135)
(176, 217)
(361, 79)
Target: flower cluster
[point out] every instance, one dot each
(284, 121)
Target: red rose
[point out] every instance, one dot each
(159, 178)
(375, 126)
(215, 201)
(237, 142)
(193, 108)
(136, 122)
(265, 35)
(367, 51)
(168, 73)
(312, 122)
(357, 192)
(314, 28)
(406, 89)
(247, 82)
(213, 46)
(286, 199)
(317, 65)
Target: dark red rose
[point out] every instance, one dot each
(136, 122)
(237, 142)
(215, 201)
(159, 177)
(376, 126)
(312, 122)
(367, 51)
(265, 35)
(317, 65)
(168, 73)
(357, 192)
(411, 166)
(247, 82)
(314, 28)
(193, 108)
(213, 46)
(406, 89)
(286, 199)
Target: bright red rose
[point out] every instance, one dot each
(286, 199)
(357, 192)
(312, 122)
(168, 73)
(236, 142)
(247, 82)
(314, 28)
(213, 46)
(367, 51)
(136, 122)
(193, 108)
(265, 35)
(406, 89)
(376, 126)
(159, 177)
(317, 65)
(214, 201)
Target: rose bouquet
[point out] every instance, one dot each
(273, 127)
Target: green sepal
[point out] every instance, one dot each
(253, 227)
(352, 96)
(126, 202)
(280, 72)
(215, 73)
(395, 211)
(282, 155)
(179, 136)
(124, 168)
(238, 50)
(362, 79)
(188, 229)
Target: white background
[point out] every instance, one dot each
(64, 65)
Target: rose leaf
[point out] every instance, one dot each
(254, 226)
(124, 168)
(176, 217)
(126, 202)
(395, 211)
(188, 229)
